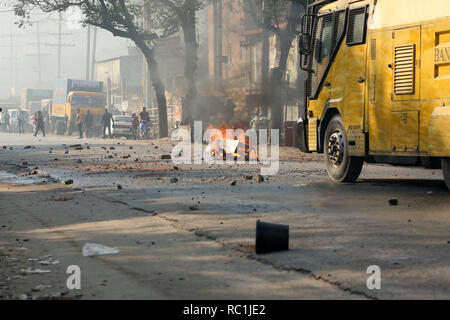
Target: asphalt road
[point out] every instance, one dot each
(193, 237)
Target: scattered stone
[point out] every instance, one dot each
(393, 202)
(233, 183)
(110, 156)
(70, 181)
(165, 157)
(67, 152)
(130, 148)
(119, 186)
(112, 148)
(248, 176)
(173, 180)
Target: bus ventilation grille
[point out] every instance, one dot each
(404, 69)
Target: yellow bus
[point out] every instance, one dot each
(378, 86)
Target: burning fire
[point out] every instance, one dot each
(239, 145)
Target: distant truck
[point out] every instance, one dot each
(69, 95)
(30, 99)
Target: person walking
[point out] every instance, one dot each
(80, 123)
(107, 118)
(134, 125)
(20, 120)
(39, 124)
(144, 119)
(2, 122)
(7, 125)
(88, 124)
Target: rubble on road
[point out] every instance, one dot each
(393, 202)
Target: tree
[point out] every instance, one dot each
(278, 17)
(170, 15)
(123, 18)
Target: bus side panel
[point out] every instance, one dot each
(435, 88)
(381, 87)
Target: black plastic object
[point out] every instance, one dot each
(271, 237)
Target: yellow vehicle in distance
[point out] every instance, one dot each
(378, 86)
(69, 96)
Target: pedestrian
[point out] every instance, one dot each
(134, 124)
(144, 119)
(20, 120)
(88, 124)
(39, 123)
(80, 123)
(2, 122)
(106, 123)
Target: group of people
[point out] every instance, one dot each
(6, 121)
(141, 123)
(84, 122)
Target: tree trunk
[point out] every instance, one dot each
(158, 86)
(276, 80)
(190, 63)
(284, 38)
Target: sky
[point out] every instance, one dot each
(24, 62)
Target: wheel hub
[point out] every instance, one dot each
(336, 148)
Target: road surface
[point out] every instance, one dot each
(193, 237)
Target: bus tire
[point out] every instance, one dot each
(340, 166)
(60, 127)
(446, 171)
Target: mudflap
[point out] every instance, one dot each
(301, 132)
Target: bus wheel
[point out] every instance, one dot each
(446, 171)
(60, 127)
(340, 166)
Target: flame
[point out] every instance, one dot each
(243, 149)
